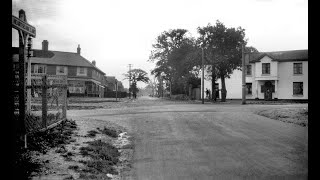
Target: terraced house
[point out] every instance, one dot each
(271, 75)
(84, 77)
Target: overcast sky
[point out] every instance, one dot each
(116, 33)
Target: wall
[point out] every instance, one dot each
(51, 69)
(233, 85)
(273, 68)
(286, 79)
(72, 71)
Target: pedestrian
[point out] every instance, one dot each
(55, 96)
(207, 93)
(217, 95)
(68, 95)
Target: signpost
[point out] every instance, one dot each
(25, 30)
(22, 25)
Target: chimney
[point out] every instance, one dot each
(45, 45)
(78, 49)
(94, 62)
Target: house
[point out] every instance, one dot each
(270, 75)
(84, 77)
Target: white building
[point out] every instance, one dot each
(270, 75)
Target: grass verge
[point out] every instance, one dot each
(40, 142)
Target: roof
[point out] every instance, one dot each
(57, 58)
(282, 56)
(110, 79)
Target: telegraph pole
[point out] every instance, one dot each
(243, 77)
(130, 65)
(202, 79)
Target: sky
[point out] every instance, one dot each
(116, 33)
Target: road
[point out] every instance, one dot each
(209, 141)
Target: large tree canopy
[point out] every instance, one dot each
(173, 54)
(223, 48)
(135, 76)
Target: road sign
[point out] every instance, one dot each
(23, 26)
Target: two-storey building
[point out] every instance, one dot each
(84, 77)
(271, 75)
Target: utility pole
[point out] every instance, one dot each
(243, 77)
(202, 79)
(130, 65)
(116, 82)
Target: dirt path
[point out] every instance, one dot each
(176, 140)
(194, 141)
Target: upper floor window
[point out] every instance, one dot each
(39, 69)
(249, 70)
(297, 88)
(265, 68)
(61, 70)
(81, 71)
(297, 68)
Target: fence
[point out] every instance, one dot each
(113, 94)
(48, 102)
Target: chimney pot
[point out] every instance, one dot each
(94, 62)
(78, 49)
(45, 45)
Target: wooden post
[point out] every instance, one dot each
(44, 101)
(64, 107)
(116, 90)
(22, 85)
(243, 77)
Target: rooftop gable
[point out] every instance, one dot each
(58, 58)
(282, 56)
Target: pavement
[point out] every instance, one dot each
(208, 141)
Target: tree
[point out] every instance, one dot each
(174, 54)
(137, 75)
(223, 46)
(168, 53)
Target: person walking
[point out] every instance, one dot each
(207, 93)
(55, 96)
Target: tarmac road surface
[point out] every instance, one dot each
(216, 141)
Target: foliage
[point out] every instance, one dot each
(136, 75)
(223, 49)
(175, 55)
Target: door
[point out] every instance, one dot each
(268, 91)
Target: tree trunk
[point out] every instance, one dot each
(213, 85)
(223, 89)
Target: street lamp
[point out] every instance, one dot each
(29, 45)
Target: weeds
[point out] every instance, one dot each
(92, 133)
(41, 142)
(109, 132)
(103, 157)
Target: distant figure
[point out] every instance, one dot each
(55, 96)
(207, 93)
(217, 94)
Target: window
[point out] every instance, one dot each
(297, 88)
(265, 68)
(61, 70)
(249, 88)
(297, 68)
(81, 71)
(39, 69)
(249, 71)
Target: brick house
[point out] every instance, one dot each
(270, 75)
(84, 77)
